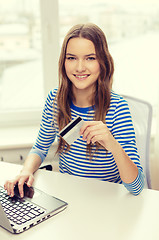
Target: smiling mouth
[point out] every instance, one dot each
(81, 76)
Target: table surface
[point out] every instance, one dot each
(96, 210)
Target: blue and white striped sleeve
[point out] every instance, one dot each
(47, 132)
(137, 185)
(124, 133)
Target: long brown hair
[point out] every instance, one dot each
(101, 98)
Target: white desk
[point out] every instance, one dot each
(96, 210)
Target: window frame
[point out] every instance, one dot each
(50, 53)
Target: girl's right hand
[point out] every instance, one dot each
(24, 177)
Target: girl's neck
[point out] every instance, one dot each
(82, 100)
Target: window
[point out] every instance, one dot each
(21, 71)
(27, 57)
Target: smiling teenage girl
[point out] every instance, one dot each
(106, 148)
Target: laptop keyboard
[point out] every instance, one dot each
(18, 210)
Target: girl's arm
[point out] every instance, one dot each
(119, 139)
(39, 151)
(97, 131)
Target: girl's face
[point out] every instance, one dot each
(81, 65)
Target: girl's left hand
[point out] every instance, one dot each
(97, 131)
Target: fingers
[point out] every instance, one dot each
(96, 137)
(20, 186)
(20, 180)
(93, 131)
(9, 186)
(30, 181)
(91, 136)
(87, 131)
(86, 125)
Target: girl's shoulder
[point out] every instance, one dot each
(51, 97)
(116, 98)
(53, 93)
(51, 100)
(118, 104)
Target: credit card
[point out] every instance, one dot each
(71, 132)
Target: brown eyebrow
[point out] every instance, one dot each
(85, 55)
(70, 54)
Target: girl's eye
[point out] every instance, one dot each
(70, 58)
(91, 58)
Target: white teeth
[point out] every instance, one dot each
(81, 76)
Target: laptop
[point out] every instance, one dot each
(19, 214)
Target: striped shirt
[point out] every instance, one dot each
(102, 164)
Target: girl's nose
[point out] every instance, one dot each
(80, 66)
